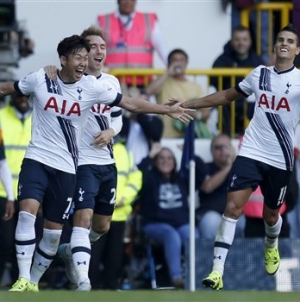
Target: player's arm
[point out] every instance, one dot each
(104, 137)
(222, 97)
(138, 105)
(7, 88)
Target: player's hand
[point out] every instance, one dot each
(103, 138)
(51, 72)
(177, 112)
(9, 210)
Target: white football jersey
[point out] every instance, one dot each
(269, 138)
(60, 111)
(100, 118)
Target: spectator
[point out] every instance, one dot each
(16, 126)
(174, 83)
(131, 38)
(237, 53)
(140, 130)
(236, 7)
(213, 190)
(109, 249)
(163, 202)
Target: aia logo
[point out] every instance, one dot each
(52, 104)
(274, 103)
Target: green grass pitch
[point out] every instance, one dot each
(150, 296)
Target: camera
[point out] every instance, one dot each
(177, 69)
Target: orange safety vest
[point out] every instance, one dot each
(129, 48)
(254, 205)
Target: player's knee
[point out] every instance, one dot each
(101, 228)
(233, 210)
(82, 218)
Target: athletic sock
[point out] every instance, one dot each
(223, 241)
(272, 233)
(81, 251)
(45, 254)
(25, 242)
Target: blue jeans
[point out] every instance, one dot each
(172, 239)
(209, 223)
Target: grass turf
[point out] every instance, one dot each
(150, 296)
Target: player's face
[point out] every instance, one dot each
(97, 54)
(74, 65)
(286, 46)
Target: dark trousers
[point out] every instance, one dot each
(7, 242)
(107, 258)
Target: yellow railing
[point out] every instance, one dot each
(201, 76)
(281, 7)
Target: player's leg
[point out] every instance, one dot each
(104, 202)
(274, 190)
(225, 236)
(57, 204)
(32, 185)
(101, 223)
(243, 180)
(79, 249)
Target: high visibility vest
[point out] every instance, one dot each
(130, 48)
(129, 181)
(16, 136)
(255, 204)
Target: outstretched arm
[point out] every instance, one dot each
(7, 88)
(222, 97)
(138, 105)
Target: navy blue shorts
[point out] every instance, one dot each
(53, 188)
(247, 172)
(96, 188)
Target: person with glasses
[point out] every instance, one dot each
(213, 190)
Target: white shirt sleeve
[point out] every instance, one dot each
(159, 43)
(246, 84)
(116, 123)
(6, 179)
(28, 83)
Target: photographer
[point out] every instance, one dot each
(174, 82)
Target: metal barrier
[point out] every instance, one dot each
(199, 76)
(281, 7)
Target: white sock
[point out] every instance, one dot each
(44, 254)
(94, 236)
(223, 241)
(25, 242)
(272, 233)
(81, 251)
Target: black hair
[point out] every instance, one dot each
(291, 28)
(240, 28)
(175, 51)
(71, 45)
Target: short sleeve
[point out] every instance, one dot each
(27, 84)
